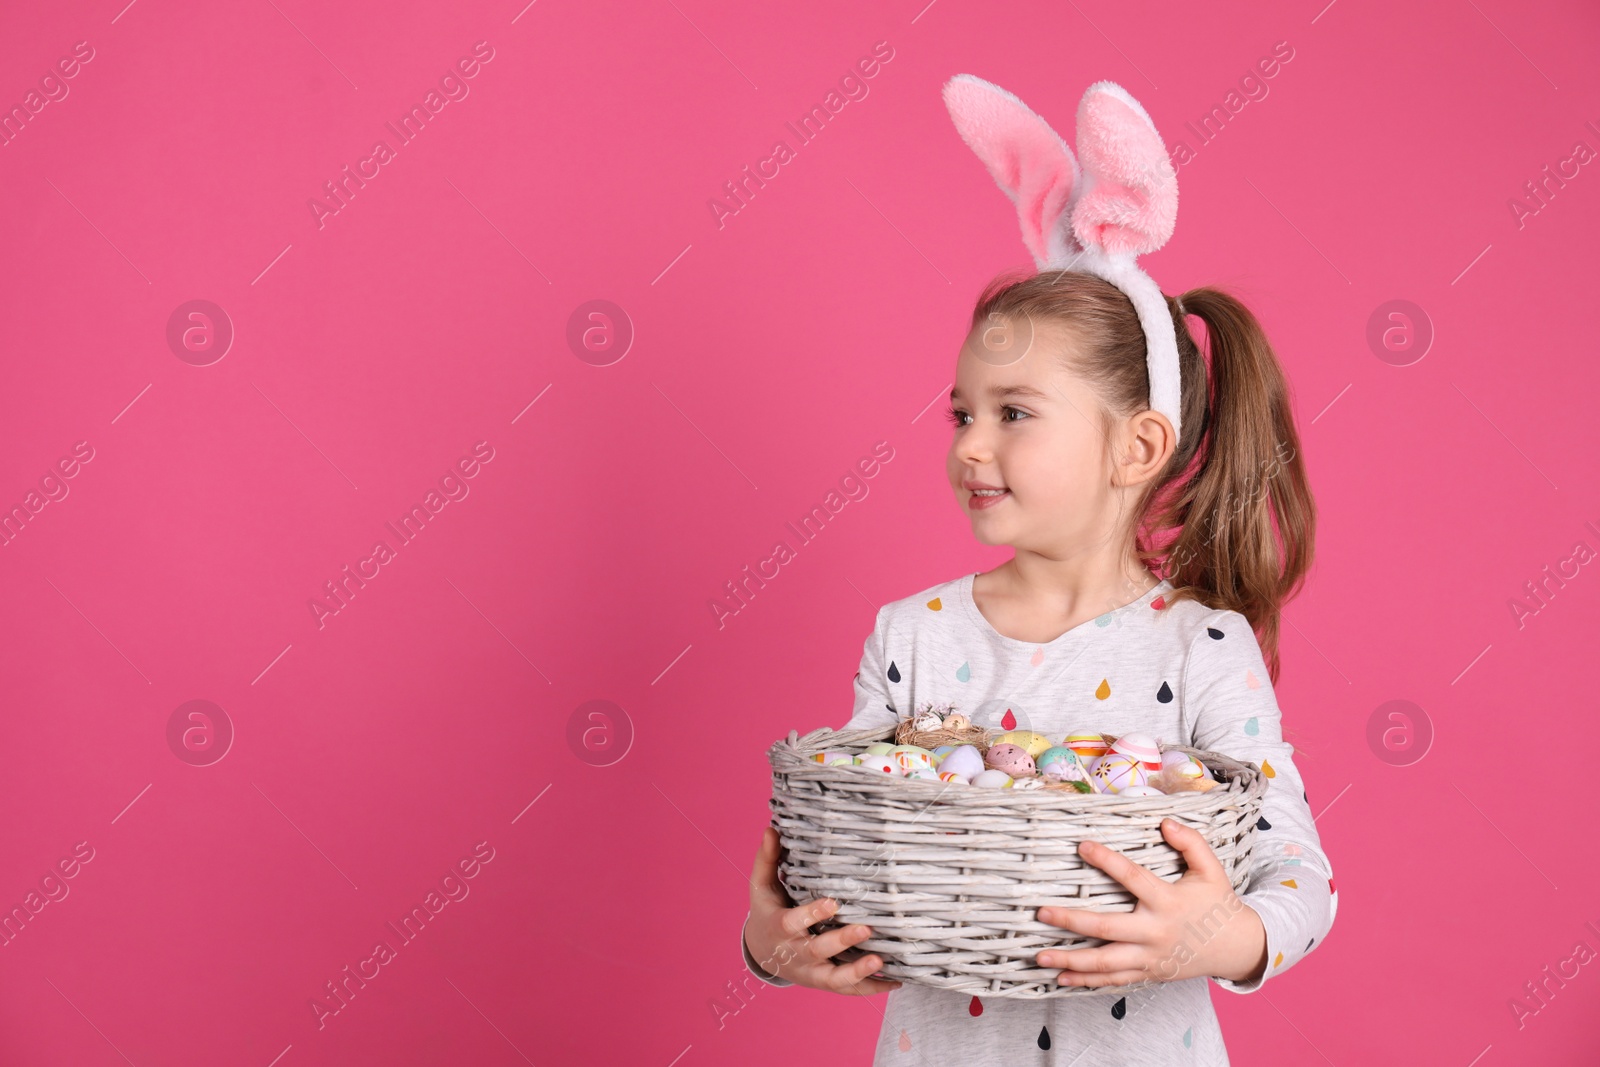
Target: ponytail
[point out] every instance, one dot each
(1237, 493)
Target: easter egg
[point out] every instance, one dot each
(1139, 791)
(928, 720)
(834, 757)
(1028, 783)
(1118, 771)
(1087, 746)
(926, 774)
(992, 779)
(1058, 756)
(879, 763)
(1013, 759)
(1141, 747)
(951, 776)
(966, 761)
(1182, 764)
(878, 748)
(942, 751)
(911, 757)
(957, 721)
(1030, 742)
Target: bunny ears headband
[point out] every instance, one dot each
(1094, 212)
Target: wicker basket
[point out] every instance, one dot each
(950, 877)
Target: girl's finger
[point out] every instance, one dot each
(1197, 851)
(1094, 980)
(1135, 879)
(796, 920)
(856, 978)
(1104, 959)
(827, 945)
(1106, 925)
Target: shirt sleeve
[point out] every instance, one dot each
(754, 967)
(1229, 699)
(874, 706)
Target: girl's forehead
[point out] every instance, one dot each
(1000, 368)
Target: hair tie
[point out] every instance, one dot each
(1098, 217)
(1181, 311)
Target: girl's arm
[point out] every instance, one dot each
(1229, 700)
(871, 709)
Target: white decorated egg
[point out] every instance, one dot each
(878, 748)
(992, 779)
(1141, 747)
(966, 761)
(911, 757)
(833, 757)
(951, 776)
(879, 763)
(926, 774)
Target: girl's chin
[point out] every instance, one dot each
(987, 537)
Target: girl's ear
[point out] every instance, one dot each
(1028, 160)
(1128, 204)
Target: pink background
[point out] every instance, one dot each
(373, 752)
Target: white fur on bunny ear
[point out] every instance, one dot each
(1128, 204)
(1028, 160)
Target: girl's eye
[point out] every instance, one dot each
(956, 416)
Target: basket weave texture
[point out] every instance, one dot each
(950, 876)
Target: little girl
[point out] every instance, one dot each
(1160, 518)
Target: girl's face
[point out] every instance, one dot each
(1025, 424)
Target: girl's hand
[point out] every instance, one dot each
(777, 938)
(1195, 926)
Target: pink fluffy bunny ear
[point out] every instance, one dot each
(1028, 160)
(1128, 204)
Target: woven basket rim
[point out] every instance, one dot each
(791, 755)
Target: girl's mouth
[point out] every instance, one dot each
(986, 498)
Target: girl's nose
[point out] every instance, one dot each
(976, 445)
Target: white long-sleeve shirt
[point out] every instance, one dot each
(1176, 670)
